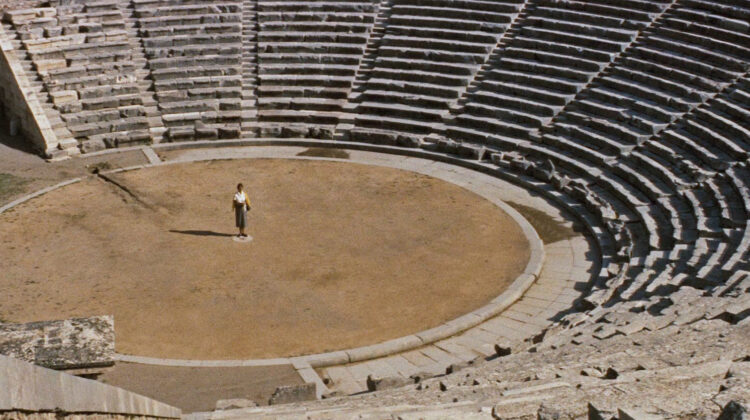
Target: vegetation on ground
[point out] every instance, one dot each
(11, 185)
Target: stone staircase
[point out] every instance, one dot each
(66, 140)
(308, 56)
(512, 32)
(195, 56)
(425, 58)
(363, 71)
(249, 68)
(143, 74)
(373, 44)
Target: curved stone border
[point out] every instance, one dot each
(36, 194)
(358, 354)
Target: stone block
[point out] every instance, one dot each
(177, 134)
(375, 383)
(63, 96)
(235, 403)
(404, 140)
(471, 151)
(323, 133)
(45, 66)
(68, 344)
(293, 131)
(447, 146)
(93, 145)
(292, 394)
(52, 31)
(376, 137)
(206, 133)
(25, 387)
(229, 132)
(89, 27)
(270, 131)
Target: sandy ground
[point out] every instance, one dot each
(22, 171)
(198, 389)
(343, 255)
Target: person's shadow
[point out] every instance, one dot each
(201, 233)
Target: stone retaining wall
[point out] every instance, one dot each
(21, 415)
(17, 106)
(39, 393)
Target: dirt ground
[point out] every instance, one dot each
(22, 171)
(343, 255)
(197, 389)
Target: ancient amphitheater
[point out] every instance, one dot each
(463, 209)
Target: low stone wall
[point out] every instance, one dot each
(21, 415)
(33, 392)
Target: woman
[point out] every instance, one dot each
(240, 204)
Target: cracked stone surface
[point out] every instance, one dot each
(67, 344)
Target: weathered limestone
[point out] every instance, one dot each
(290, 394)
(32, 389)
(68, 344)
(93, 47)
(419, 53)
(22, 107)
(194, 52)
(308, 54)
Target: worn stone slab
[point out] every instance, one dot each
(343, 380)
(401, 365)
(152, 157)
(381, 368)
(308, 374)
(500, 328)
(66, 344)
(418, 359)
(440, 356)
(457, 350)
(480, 347)
(292, 394)
(535, 388)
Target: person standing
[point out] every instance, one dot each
(240, 204)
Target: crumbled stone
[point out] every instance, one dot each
(378, 384)
(293, 393)
(235, 403)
